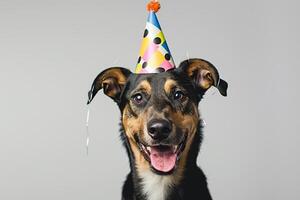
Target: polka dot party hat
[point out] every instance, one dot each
(155, 55)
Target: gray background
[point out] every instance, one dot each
(52, 50)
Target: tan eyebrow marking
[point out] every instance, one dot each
(169, 85)
(144, 86)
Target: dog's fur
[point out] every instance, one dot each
(172, 96)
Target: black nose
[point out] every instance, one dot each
(159, 129)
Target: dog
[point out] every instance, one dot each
(161, 128)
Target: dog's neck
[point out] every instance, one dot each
(155, 187)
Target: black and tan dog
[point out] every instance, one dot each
(161, 129)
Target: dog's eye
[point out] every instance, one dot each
(137, 98)
(178, 95)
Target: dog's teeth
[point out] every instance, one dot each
(175, 148)
(149, 149)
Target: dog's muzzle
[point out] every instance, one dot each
(163, 158)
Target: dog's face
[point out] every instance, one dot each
(160, 111)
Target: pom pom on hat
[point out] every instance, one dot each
(153, 6)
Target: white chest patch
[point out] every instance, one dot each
(155, 187)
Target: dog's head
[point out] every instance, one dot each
(159, 111)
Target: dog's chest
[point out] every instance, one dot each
(156, 187)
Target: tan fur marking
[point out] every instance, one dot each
(189, 124)
(208, 78)
(117, 74)
(144, 86)
(141, 163)
(133, 125)
(110, 87)
(112, 81)
(169, 85)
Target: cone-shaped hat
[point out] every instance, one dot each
(155, 55)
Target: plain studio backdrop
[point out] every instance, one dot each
(51, 51)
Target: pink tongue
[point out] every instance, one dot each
(163, 161)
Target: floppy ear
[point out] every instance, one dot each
(204, 74)
(112, 80)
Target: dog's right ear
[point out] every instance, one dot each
(112, 80)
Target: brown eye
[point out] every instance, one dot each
(138, 98)
(178, 95)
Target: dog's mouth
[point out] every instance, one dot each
(162, 158)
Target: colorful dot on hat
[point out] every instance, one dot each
(157, 40)
(146, 32)
(139, 59)
(167, 56)
(144, 65)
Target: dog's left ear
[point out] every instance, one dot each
(112, 80)
(204, 74)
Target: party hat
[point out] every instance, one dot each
(155, 55)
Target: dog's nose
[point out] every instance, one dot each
(159, 129)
